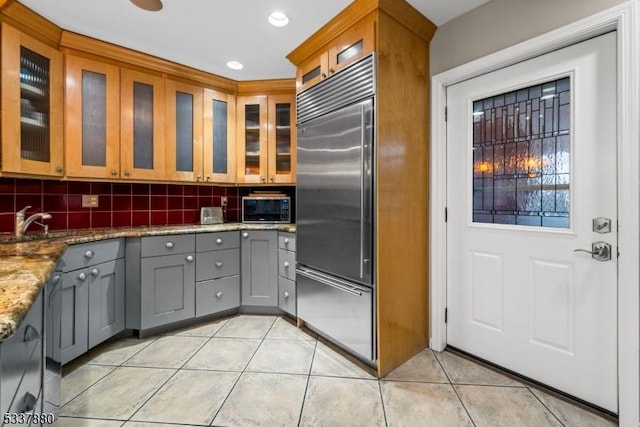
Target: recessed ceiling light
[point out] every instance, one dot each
(235, 65)
(278, 19)
(150, 5)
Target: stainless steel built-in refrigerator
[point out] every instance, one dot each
(334, 221)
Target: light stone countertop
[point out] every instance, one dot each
(27, 263)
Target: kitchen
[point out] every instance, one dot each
(178, 203)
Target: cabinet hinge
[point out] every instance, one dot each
(446, 315)
(446, 215)
(445, 114)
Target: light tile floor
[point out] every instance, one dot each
(263, 371)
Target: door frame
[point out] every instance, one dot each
(625, 19)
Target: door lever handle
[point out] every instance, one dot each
(600, 251)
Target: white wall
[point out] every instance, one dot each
(501, 23)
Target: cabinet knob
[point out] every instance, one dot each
(323, 75)
(245, 235)
(189, 258)
(272, 179)
(114, 172)
(286, 294)
(198, 178)
(169, 245)
(286, 264)
(88, 254)
(126, 173)
(208, 178)
(59, 169)
(331, 71)
(29, 402)
(218, 241)
(286, 241)
(82, 276)
(218, 264)
(30, 334)
(262, 179)
(219, 295)
(95, 272)
(56, 278)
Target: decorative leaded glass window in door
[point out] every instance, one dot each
(521, 156)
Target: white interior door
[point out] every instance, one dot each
(531, 161)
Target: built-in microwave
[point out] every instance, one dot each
(266, 209)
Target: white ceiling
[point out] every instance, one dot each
(205, 34)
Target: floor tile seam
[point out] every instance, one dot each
(466, 410)
(91, 418)
(384, 409)
(226, 398)
(341, 376)
(306, 387)
(195, 352)
(113, 368)
(151, 341)
(153, 394)
(388, 380)
(535, 396)
(488, 385)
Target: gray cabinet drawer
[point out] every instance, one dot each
(287, 264)
(287, 295)
(26, 398)
(20, 354)
(217, 295)
(87, 254)
(214, 241)
(168, 245)
(287, 241)
(216, 264)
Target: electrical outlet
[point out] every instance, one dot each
(89, 201)
(224, 201)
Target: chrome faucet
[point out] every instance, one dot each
(22, 225)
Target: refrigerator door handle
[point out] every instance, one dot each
(362, 188)
(333, 284)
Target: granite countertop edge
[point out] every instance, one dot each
(26, 265)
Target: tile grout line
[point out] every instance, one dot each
(545, 406)
(454, 389)
(113, 368)
(306, 387)
(384, 409)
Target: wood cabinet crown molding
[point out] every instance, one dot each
(29, 22)
(266, 87)
(399, 10)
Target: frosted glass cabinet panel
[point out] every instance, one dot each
(32, 88)
(219, 147)
(142, 126)
(183, 132)
(282, 139)
(92, 105)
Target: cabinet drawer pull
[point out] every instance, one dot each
(31, 334)
(286, 264)
(218, 264)
(95, 272)
(218, 241)
(286, 294)
(88, 254)
(82, 276)
(245, 235)
(169, 245)
(189, 258)
(219, 295)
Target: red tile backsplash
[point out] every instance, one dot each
(119, 204)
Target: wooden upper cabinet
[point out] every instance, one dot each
(32, 102)
(351, 45)
(282, 139)
(183, 132)
(252, 139)
(219, 144)
(92, 120)
(142, 126)
(266, 139)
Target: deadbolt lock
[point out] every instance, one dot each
(602, 225)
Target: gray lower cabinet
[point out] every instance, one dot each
(167, 289)
(106, 301)
(91, 298)
(287, 272)
(217, 272)
(21, 359)
(259, 260)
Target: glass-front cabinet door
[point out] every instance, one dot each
(92, 106)
(252, 139)
(142, 126)
(219, 147)
(32, 89)
(282, 139)
(183, 132)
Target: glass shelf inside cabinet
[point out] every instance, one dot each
(34, 106)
